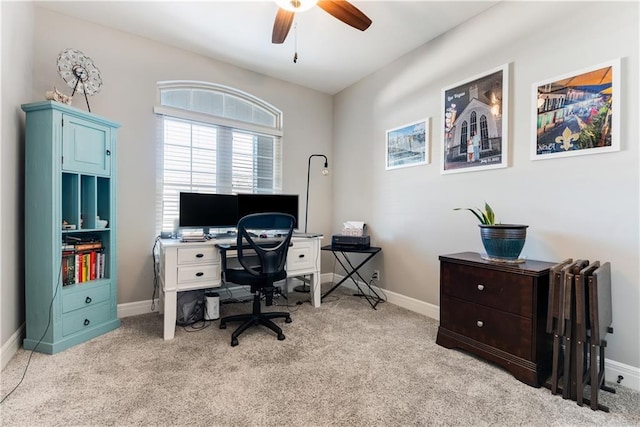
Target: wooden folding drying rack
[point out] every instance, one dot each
(579, 317)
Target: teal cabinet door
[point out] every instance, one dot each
(86, 146)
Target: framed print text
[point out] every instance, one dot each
(577, 113)
(475, 118)
(408, 145)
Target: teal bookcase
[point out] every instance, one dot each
(70, 226)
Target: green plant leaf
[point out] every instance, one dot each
(489, 214)
(479, 214)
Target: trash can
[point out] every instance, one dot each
(211, 305)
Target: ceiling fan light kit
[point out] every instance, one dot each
(296, 5)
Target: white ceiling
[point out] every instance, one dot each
(331, 54)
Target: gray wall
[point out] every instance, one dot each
(578, 207)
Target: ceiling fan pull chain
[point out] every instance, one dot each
(295, 43)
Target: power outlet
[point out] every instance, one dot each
(375, 275)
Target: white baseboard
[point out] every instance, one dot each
(12, 345)
(630, 374)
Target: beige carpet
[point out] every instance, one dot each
(343, 364)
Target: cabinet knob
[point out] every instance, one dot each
(86, 322)
(301, 256)
(108, 152)
(88, 300)
(199, 273)
(481, 287)
(199, 255)
(480, 323)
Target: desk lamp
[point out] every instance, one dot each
(325, 172)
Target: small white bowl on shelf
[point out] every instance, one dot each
(101, 223)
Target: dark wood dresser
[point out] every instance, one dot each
(497, 311)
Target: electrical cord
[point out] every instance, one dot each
(24, 374)
(155, 274)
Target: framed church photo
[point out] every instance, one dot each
(407, 145)
(474, 125)
(577, 113)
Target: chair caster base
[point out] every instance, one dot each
(281, 337)
(223, 326)
(288, 320)
(234, 342)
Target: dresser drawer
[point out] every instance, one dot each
(508, 292)
(199, 273)
(90, 296)
(85, 318)
(495, 328)
(300, 257)
(198, 255)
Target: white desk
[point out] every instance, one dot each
(196, 265)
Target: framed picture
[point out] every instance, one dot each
(577, 113)
(408, 145)
(474, 126)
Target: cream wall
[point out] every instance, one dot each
(17, 60)
(579, 207)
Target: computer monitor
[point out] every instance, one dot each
(261, 203)
(208, 210)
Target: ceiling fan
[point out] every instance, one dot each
(340, 9)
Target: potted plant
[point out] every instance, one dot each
(503, 242)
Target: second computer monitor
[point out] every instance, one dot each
(261, 203)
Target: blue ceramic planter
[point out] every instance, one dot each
(503, 241)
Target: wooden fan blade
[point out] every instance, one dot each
(346, 12)
(281, 26)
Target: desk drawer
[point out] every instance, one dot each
(497, 289)
(198, 255)
(199, 273)
(492, 327)
(300, 257)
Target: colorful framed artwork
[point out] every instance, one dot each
(475, 119)
(408, 145)
(577, 113)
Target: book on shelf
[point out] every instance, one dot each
(82, 265)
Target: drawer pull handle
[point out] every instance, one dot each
(86, 322)
(108, 152)
(88, 300)
(199, 255)
(199, 273)
(480, 323)
(301, 256)
(481, 287)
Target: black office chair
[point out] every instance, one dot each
(262, 257)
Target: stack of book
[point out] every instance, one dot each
(82, 261)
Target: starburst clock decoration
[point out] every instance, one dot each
(80, 73)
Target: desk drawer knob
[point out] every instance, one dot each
(301, 256)
(481, 287)
(199, 255)
(480, 323)
(199, 274)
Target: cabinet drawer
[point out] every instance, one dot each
(300, 257)
(199, 273)
(505, 291)
(495, 328)
(85, 318)
(198, 255)
(90, 296)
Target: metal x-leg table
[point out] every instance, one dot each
(372, 297)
